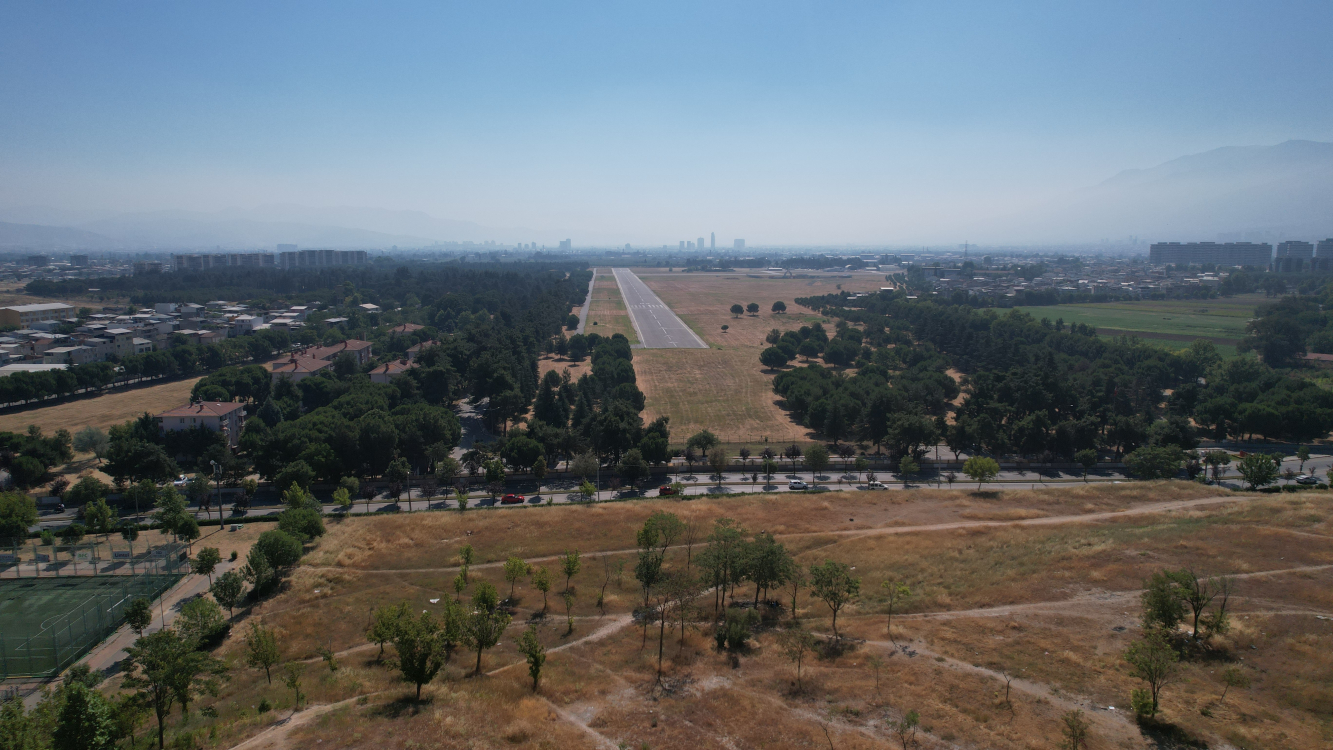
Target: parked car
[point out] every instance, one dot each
(511, 499)
(1307, 479)
(180, 481)
(876, 485)
(797, 484)
(666, 490)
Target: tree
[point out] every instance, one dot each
(907, 466)
(833, 583)
(343, 499)
(570, 565)
(258, 571)
(170, 510)
(792, 453)
(1198, 593)
(18, 512)
(1233, 676)
(227, 590)
(981, 468)
(795, 643)
(1087, 458)
(85, 721)
(766, 563)
(420, 648)
(292, 679)
(568, 597)
(1149, 462)
(584, 465)
(717, 461)
(1302, 453)
(91, 440)
(773, 358)
(1161, 602)
(206, 562)
(399, 472)
(200, 621)
(484, 625)
(384, 624)
(906, 728)
(531, 647)
(817, 459)
(515, 568)
(779, 307)
(164, 668)
(298, 473)
(1075, 731)
(541, 580)
(281, 549)
(752, 308)
(737, 311)
(261, 649)
(1258, 470)
(100, 517)
(897, 593)
(1154, 661)
(139, 615)
(632, 467)
(702, 441)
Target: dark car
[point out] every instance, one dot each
(511, 499)
(666, 490)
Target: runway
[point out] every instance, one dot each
(657, 326)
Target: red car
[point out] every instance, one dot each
(511, 499)
(666, 490)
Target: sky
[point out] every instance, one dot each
(647, 123)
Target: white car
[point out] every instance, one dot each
(875, 486)
(180, 481)
(1307, 479)
(797, 484)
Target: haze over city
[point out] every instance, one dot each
(785, 124)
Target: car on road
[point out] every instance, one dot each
(180, 481)
(797, 484)
(510, 499)
(877, 485)
(666, 490)
(1307, 479)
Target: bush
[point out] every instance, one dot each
(303, 524)
(281, 549)
(1140, 700)
(735, 628)
(298, 472)
(27, 471)
(88, 489)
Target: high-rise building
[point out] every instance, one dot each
(712, 240)
(700, 244)
(682, 244)
(1225, 254)
(738, 244)
(1295, 249)
(1325, 249)
(566, 245)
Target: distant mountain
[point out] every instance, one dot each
(37, 237)
(1245, 192)
(184, 229)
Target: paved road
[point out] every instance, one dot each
(658, 327)
(587, 303)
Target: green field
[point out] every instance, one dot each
(48, 623)
(1171, 323)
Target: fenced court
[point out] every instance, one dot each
(47, 622)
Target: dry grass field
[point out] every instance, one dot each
(724, 389)
(606, 314)
(1050, 600)
(101, 411)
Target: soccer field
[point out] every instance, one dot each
(46, 624)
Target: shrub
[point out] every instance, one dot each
(302, 524)
(281, 549)
(735, 628)
(201, 620)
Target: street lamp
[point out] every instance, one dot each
(217, 484)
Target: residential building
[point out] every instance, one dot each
(227, 417)
(1223, 254)
(699, 244)
(1324, 249)
(361, 350)
(297, 368)
(415, 351)
(565, 245)
(390, 370)
(405, 328)
(1295, 249)
(69, 355)
(24, 316)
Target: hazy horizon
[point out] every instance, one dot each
(783, 124)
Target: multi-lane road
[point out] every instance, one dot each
(658, 327)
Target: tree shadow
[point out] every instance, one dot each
(405, 706)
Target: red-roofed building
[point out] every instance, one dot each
(405, 328)
(355, 347)
(226, 417)
(390, 370)
(415, 351)
(298, 367)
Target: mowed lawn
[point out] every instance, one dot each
(607, 315)
(101, 411)
(1174, 323)
(724, 389)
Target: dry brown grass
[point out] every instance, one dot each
(102, 411)
(724, 389)
(1062, 589)
(607, 315)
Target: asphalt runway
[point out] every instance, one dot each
(658, 327)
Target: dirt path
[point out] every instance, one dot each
(276, 735)
(1146, 509)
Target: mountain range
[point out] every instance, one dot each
(1263, 193)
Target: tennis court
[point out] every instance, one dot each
(46, 624)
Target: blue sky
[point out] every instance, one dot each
(779, 122)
